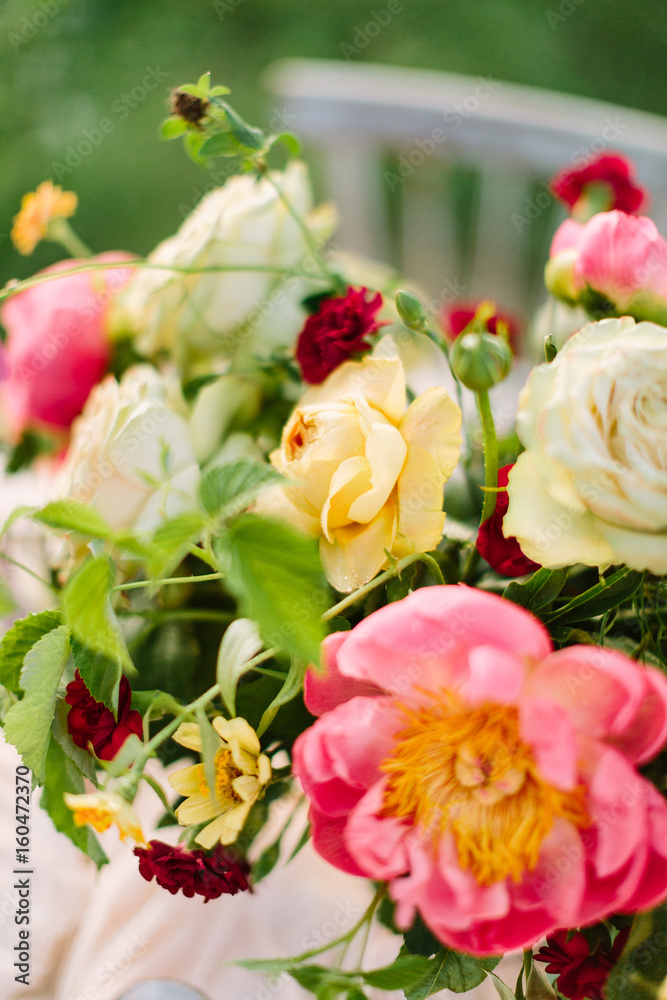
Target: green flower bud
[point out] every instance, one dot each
(411, 311)
(480, 360)
(559, 276)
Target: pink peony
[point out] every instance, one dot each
(489, 779)
(566, 237)
(620, 255)
(57, 347)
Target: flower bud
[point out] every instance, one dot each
(559, 276)
(411, 311)
(480, 360)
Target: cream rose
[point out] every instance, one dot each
(369, 474)
(130, 455)
(198, 316)
(591, 486)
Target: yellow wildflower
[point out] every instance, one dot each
(101, 810)
(38, 209)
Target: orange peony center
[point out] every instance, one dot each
(466, 772)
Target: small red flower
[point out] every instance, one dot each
(581, 976)
(337, 332)
(503, 554)
(609, 168)
(191, 872)
(457, 317)
(89, 721)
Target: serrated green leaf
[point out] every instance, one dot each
(420, 941)
(274, 572)
(172, 540)
(239, 644)
(222, 144)
(641, 970)
(404, 971)
(451, 970)
(20, 638)
(227, 490)
(99, 673)
(62, 775)
(173, 127)
(87, 608)
(502, 989)
(538, 987)
(133, 547)
(290, 689)
(28, 722)
(602, 597)
(72, 515)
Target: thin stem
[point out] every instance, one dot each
(173, 579)
(367, 915)
(19, 286)
(26, 569)
(490, 453)
(313, 245)
(527, 963)
(369, 920)
(60, 231)
(158, 616)
(165, 733)
(366, 589)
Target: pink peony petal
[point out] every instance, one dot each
(323, 691)
(617, 807)
(567, 237)
(327, 834)
(494, 675)
(652, 888)
(558, 881)
(548, 730)
(377, 843)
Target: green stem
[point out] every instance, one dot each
(490, 453)
(173, 579)
(60, 231)
(14, 287)
(527, 963)
(165, 733)
(26, 569)
(158, 616)
(344, 938)
(366, 589)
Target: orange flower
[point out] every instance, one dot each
(38, 209)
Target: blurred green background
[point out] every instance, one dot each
(67, 65)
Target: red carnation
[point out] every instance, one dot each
(193, 872)
(581, 976)
(456, 318)
(89, 721)
(336, 333)
(609, 168)
(503, 554)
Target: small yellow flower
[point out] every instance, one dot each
(38, 209)
(241, 774)
(101, 810)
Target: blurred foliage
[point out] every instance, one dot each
(69, 65)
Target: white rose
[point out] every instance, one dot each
(591, 486)
(130, 455)
(197, 316)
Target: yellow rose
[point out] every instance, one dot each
(369, 474)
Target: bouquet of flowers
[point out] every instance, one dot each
(247, 563)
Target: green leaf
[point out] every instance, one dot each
(191, 387)
(173, 127)
(249, 137)
(88, 612)
(538, 987)
(502, 989)
(194, 89)
(99, 673)
(62, 775)
(266, 862)
(173, 540)
(451, 970)
(227, 490)
(72, 515)
(222, 144)
(303, 840)
(290, 689)
(204, 83)
(641, 970)
(15, 516)
(404, 971)
(289, 141)
(28, 722)
(239, 644)
(274, 572)
(7, 602)
(210, 745)
(542, 588)
(126, 756)
(20, 638)
(602, 597)
(420, 941)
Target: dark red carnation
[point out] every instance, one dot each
(611, 169)
(581, 976)
(337, 332)
(457, 317)
(191, 872)
(90, 721)
(503, 554)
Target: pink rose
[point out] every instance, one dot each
(57, 347)
(492, 781)
(620, 255)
